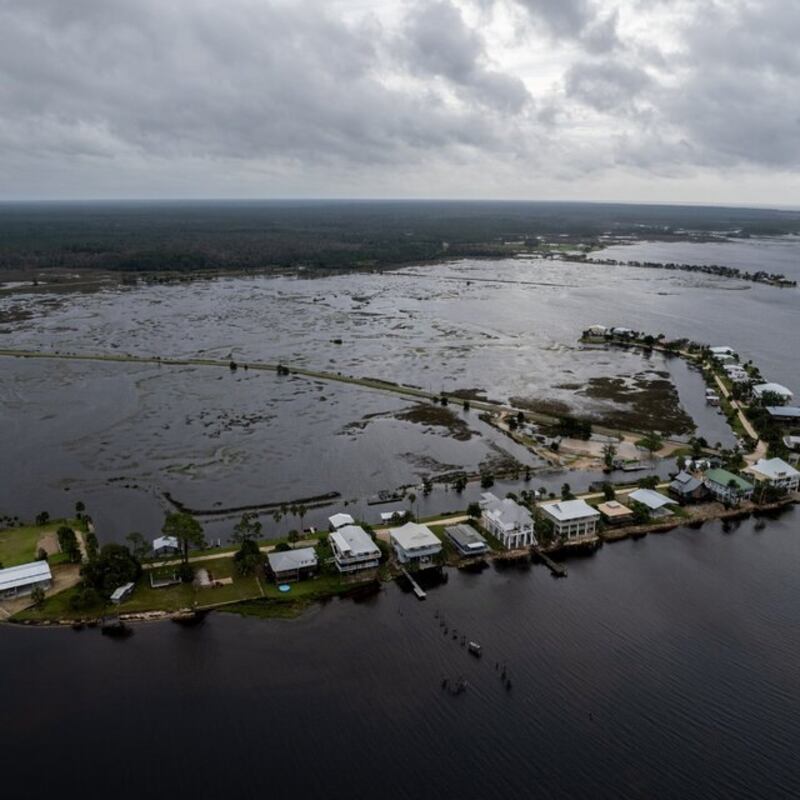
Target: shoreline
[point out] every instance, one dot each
(706, 512)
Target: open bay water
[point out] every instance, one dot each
(665, 667)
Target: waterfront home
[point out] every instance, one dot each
(597, 330)
(23, 579)
(339, 521)
(712, 398)
(623, 333)
(507, 521)
(122, 593)
(785, 415)
(467, 540)
(614, 513)
(573, 520)
(686, 488)
(292, 565)
(655, 502)
(166, 546)
(414, 543)
(773, 388)
(392, 516)
(792, 443)
(727, 487)
(724, 358)
(722, 351)
(775, 472)
(354, 549)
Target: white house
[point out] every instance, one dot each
(292, 565)
(507, 521)
(414, 543)
(773, 388)
(353, 549)
(655, 502)
(339, 521)
(166, 545)
(775, 472)
(722, 351)
(573, 520)
(23, 579)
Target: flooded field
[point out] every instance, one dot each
(120, 436)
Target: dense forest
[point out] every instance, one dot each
(334, 234)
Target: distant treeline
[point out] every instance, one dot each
(332, 234)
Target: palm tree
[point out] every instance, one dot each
(412, 498)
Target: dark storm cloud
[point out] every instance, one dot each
(312, 89)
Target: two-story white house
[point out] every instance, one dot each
(354, 549)
(573, 520)
(507, 521)
(414, 543)
(775, 472)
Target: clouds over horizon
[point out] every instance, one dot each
(496, 98)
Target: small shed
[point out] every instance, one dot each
(122, 593)
(166, 545)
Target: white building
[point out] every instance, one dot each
(722, 351)
(122, 593)
(166, 545)
(353, 549)
(339, 521)
(414, 543)
(655, 502)
(727, 487)
(775, 472)
(292, 565)
(573, 520)
(773, 388)
(507, 521)
(23, 579)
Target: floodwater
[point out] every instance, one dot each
(660, 668)
(118, 436)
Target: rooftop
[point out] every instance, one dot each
(723, 478)
(352, 540)
(508, 512)
(163, 542)
(292, 559)
(651, 498)
(24, 575)
(772, 388)
(790, 412)
(566, 510)
(773, 469)
(339, 520)
(412, 535)
(614, 510)
(684, 482)
(467, 538)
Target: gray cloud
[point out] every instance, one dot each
(319, 93)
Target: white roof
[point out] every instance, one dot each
(24, 575)
(292, 559)
(566, 510)
(722, 350)
(339, 520)
(508, 513)
(121, 591)
(386, 516)
(351, 540)
(651, 498)
(773, 469)
(412, 535)
(772, 388)
(166, 541)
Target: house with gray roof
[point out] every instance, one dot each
(467, 540)
(655, 502)
(354, 549)
(507, 521)
(686, 488)
(415, 544)
(574, 521)
(22, 579)
(292, 565)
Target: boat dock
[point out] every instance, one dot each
(418, 591)
(559, 570)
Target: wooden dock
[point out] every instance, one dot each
(418, 591)
(559, 570)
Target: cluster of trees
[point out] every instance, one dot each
(574, 428)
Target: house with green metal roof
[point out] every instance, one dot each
(726, 486)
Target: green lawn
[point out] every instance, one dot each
(19, 545)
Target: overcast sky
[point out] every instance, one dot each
(640, 100)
